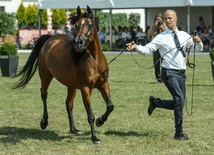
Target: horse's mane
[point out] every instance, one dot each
(73, 19)
(87, 15)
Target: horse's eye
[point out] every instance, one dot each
(90, 24)
(76, 25)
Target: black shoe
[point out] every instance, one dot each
(181, 137)
(151, 107)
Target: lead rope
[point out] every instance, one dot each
(105, 78)
(144, 67)
(101, 73)
(158, 59)
(191, 65)
(116, 56)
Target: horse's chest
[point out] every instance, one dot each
(86, 74)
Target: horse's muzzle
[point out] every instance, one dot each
(80, 43)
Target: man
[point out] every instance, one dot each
(173, 67)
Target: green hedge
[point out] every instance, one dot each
(8, 49)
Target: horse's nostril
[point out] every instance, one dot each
(80, 41)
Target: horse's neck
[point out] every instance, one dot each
(94, 47)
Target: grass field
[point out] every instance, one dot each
(128, 131)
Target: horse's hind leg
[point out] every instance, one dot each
(44, 120)
(69, 107)
(105, 91)
(44, 94)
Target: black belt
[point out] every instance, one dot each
(176, 70)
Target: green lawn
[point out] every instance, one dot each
(128, 131)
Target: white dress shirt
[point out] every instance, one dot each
(164, 42)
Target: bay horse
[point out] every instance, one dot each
(76, 62)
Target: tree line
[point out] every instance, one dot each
(27, 18)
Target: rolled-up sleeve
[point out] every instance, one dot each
(198, 47)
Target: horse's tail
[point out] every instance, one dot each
(31, 65)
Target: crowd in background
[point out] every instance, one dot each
(206, 33)
(126, 34)
(140, 36)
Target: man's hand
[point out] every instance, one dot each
(131, 46)
(196, 39)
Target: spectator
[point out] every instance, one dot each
(212, 38)
(126, 36)
(120, 30)
(198, 31)
(147, 29)
(206, 39)
(102, 35)
(113, 31)
(132, 32)
(67, 31)
(202, 24)
(209, 29)
(55, 32)
(141, 37)
(157, 27)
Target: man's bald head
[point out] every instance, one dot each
(171, 12)
(170, 19)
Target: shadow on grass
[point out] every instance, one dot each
(16, 134)
(188, 84)
(206, 85)
(130, 133)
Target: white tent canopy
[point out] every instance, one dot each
(120, 4)
(185, 8)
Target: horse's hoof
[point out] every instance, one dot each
(96, 141)
(43, 124)
(77, 132)
(98, 123)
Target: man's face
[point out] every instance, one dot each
(170, 19)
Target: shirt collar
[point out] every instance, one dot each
(176, 30)
(170, 31)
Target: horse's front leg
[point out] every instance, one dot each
(69, 107)
(105, 91)
(86, 95)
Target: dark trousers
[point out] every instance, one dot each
(175, 82)
(157, 63)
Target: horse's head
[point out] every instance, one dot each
(84, 29)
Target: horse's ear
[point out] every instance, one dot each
(88, 10)
(78, 11)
